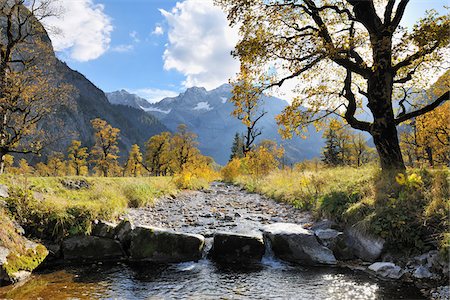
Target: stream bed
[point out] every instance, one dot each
(221, 208)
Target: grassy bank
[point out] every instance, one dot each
(411, 212)
(54, 207)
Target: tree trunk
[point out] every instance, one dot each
(379, 88)
(429, 152)
(387, 144)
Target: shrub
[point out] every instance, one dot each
(231, 171)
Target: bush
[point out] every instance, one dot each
(231, 171)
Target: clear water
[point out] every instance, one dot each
(272, 279)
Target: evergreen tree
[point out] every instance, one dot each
(331, 151)
(237, 149)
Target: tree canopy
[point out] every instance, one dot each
(338, 55)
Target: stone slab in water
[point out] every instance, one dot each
(237, 248)
(158, 245)
(92, 248)
(291, 242)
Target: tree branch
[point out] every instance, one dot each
(444, 97)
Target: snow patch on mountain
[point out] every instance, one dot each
(203, 106)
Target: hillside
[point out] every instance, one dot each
(136, 126)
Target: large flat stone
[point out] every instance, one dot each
(162, 246)
(92, 248)
(237, 248)
(291, 242)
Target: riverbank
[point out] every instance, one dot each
(222, 208)
(405, 215)
(52, 208)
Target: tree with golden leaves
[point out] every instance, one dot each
(77, 158)
(56, 164)
(183, 148)
(247, 108)
(29, 89)
(337, 53)
(105, 151)
(263, 159)
(134, 166)
(158, 154)
(427, 138)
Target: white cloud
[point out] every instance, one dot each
(158, 30)
(153, 95)
(83, 30)
(123, 48)
(135, 37)
(200, 42)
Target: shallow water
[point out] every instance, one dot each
(271, 279)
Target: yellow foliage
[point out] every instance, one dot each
(105, 151)
(232, 170)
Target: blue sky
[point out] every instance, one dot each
(156, 48)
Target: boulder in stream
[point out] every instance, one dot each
(334, 240)
(158, 245)
(387, 270)
(291, 242)
(364, 245)
(17, 265)
(237, 248)
(92, 248)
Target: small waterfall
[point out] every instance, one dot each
(207, 247)
(269, 258)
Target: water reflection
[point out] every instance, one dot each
(206, 280)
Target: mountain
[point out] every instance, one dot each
(208, 114)
(136, 126)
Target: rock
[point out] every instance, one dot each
(54, 251)
(123, 233)
(15, 267)
(364, 246)
(387, 270)
(334, 240)
(328, 237)
(92, 248)
(291, 242)
(422, 272)
(104, 229)
(441, 293)
(323, 224)
(75, 184)
(237, 248)
(162, 246)
(4, 191)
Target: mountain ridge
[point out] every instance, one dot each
(208, 114)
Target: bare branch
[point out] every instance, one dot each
(444, 97)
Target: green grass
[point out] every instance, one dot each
(48, 209)
(410, 212)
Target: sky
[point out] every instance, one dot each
(156, 48)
